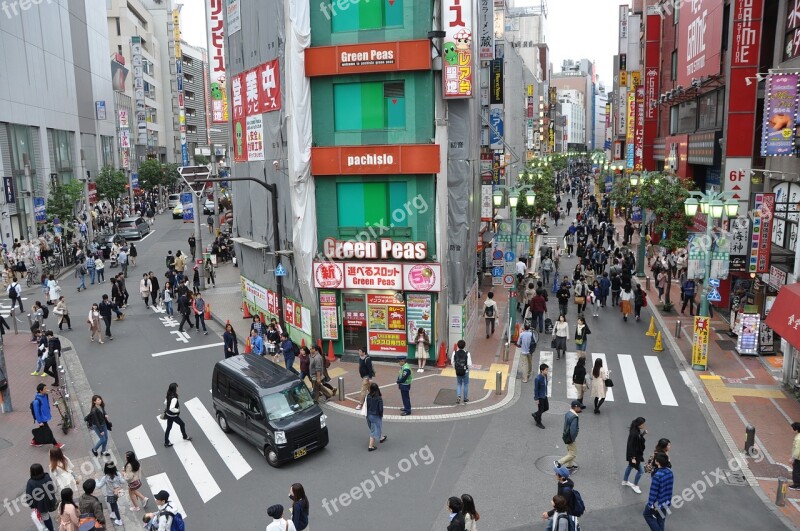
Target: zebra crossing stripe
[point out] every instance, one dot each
(609, 390)
(572, 361)
(631, 380)
(140, 443)
(198, 472)
(224, 447)
(546, 356)
(660, 380)
(161, 482)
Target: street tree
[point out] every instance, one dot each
(622, 194)
(543, 184)
(112, 185)
(152, 174)
(62, 201)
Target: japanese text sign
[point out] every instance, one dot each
(457, 48)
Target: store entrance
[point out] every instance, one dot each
(355, 321)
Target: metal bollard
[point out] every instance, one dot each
(677, 329)
(647, 282)
(498, 383)
(749, 439)
(341, 388)
(505, 351)
(780, 497)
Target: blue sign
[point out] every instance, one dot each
(509, 256)
(636, 211)
(609, 183)
(497, 271)
(188, 206)
(497, 254)
(714, 296)
(39, 210)
(185, 153)
(713, 282)
(496, 129)
(629, 156)
(134, 180)
(8, 188)
(280, 271)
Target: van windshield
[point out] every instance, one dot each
(126, 224)
(288, 402)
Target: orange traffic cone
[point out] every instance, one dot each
(515, 336)
(247, 348)
(208, 311)
(246, 311)
(302, 342)
(331, 355)
(442, 361)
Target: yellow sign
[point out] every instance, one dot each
(530, 90)
(700, 343)
(176, 32)
(636, 79)
(630, 128)
(623, 78)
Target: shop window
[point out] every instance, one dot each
(673, 120)
(372, 106)
(108, 150)
(379, 206)
(687, 117)
(360, 16)
(707, 111)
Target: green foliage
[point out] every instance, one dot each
(543, 183)
(201, 160)
(152, 174)
(621, 192)
(662, 196)
(111, 185)
(171, 175)
(62, 201)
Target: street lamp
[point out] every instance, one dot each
(635, 181)
(713, 204)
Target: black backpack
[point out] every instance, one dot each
(45, 312)
(460, 362)
(489, 312)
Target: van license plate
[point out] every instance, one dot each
(300, 452)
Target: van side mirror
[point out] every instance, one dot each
(257, 416)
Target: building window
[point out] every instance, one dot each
(188, 78)
(119, 31)
(192, 129)
(707, 111)
(369, 106)
(360, 16)
(107, 145)
(673, 69)
(687, 117)
(371, 204)
(188, 61)
(189, 95)
(61, 148)
(673, 120)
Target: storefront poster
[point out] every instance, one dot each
(387, 343)
(288, 314)
(457, 48)
(747, 342)
(761, 242)
(255, 138)
(328, 315)
(780, 115)
(269, 86)
(700, 343)
(396, 317)
(766, 340)
(386, 315)
(418, 312)
(378, 317)
(422, 277)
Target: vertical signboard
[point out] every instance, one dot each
(630, 129)
(638, 135)
(138, 90)
(740, 234)
(269, 86)
(699, 39)
(622, 111)
(496, 129)
(486, 30)
(780, 116)
(496, 82)
(623, 29)
(216, 61)
(761, 242)
(700, 343)
(328, 315)
(176, 29)
(458, 60)
(652, 57)
(234, 16)
(124, 139)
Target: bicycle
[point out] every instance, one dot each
(64, 410)
(32, 276)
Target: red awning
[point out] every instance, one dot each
(784, 317)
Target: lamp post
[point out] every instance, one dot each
(713, 205)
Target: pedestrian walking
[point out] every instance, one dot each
(62, 471)
(560, 519)
(489, 313)
(15, 294)
(580, 292)
(660, 498)
(366, 371)
(570, 437)
(192, 245)
(423, 343)
(112, 482)
(639, 301)
(289, 350)
(80, 271)
(527, 344)
(52, 358)
(687, 295)
(196, 280)
(105, 308)
(375, 416)
(172, 414)
(132, 254)
(279, 523)
(795, 457)
(471, 515)
(41, 415)
(538, 307)
(661, 284)
(144, 289)
(540, 394)
(599, 377)
(40, 496)
(305, 366)
(300, 506)
(256, 343)
(37, 319)
(563, 295)
(626, 303)
(199, 308)
(462, 362)
(167, 298)
(663, 446)
(62, 312)
(565, 489)
(316, 367)
(68, 515)
(98, 422)
(579, 378)
(455, 507)
(155, 289)
(89, 507)
(231, 344)
(634, 454)
(547, 267)
(132, 473)
(100, 268)
(211, 276)
(91, 268)
(185, 308)
(122, 260)
(560, 335)
(404, 379)
(53, 290)
(165, 516)
(94, 323)
(616, 288)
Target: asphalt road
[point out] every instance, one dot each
(503, 460)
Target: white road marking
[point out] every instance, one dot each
(183, 337)
(632, 387)
(546, 356)
(162, 482)
(169, 321)
(140, 443)
(224, 447)
(152, 231)
(609, 390)
(198, 347)
(572, 361)
(660, 380)
(198, 472)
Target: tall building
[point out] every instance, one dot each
(200, 134)
(579, 76)
(600, 100)
(573, 108)
(525, 29)
(56, 123)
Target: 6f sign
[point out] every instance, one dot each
(736, 176)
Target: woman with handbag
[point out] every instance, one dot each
(133, 475)
(94, 323)
(112, 484)
(560, 335)
(625, 303)
(61, 470)
(62, 312)
(40, 497)
(580, 295)
(581, 335)
(599, 384)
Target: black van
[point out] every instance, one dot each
(269, 406)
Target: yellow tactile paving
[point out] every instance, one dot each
(487, 376)
(720, 392)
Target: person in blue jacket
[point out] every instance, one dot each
(256, 342)
(540, 394)
(41, 414)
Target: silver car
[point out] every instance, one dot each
(133, 228)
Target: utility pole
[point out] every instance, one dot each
(32, 233)
(5, 389)
(194, 177)
(87, 204)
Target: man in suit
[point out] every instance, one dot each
(540, 394)
(454, 505)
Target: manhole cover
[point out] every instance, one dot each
(726, 344)
(5, 444)
(735, 479)
(445, 397)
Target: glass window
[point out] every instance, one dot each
(673, 120)
(21, 144)
(222, 384)
(369, 106)
(287, 403)
(108, 150)
(707, 111)
(371, 204)
(687, 116)
(787, 215)
(238, 395)
(673, 70)
(360, 16)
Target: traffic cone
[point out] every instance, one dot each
(331, 355)
(319, 344)
(247, 348)
(246, 311)
(516, 333)
(658, 346)
(302, 342)
(263, 319)
(442, 361)
(651, 332)
(208, 311)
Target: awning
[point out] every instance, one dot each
(784, 317)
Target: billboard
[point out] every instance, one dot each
(496, 129)
(496, 82)
(486, 29)
(138, 90)
(780, 113)
(216, 61)
(458, 49)
(699, 40)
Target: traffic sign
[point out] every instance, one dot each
(497, 271)
(497, 255)
(280, 271)
(509, 256)
(713, 282)
(714, 296)
(508, 281)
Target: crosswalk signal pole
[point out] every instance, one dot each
(5, 390)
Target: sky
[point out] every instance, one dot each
(576, 29)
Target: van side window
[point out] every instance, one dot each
(252, 405)
(222, 384)
(238, 395)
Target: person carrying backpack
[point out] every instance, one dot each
(166, 518)
(14, 293)
(489, 313)
(462, 361)
(566, 489)
(687, 294)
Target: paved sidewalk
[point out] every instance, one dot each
(737, 391)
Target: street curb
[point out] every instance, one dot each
(721, 434)
(82, 394)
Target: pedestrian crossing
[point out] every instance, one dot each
(629, 373)
(188, 455)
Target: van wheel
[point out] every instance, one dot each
(223, 423)
(272, 456)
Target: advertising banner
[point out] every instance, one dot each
(699, 39)
(652, 58)
(630, 129)
(623, 28)
(486, 29)
(328, 315)
(216, 57)
(747, 342)
(176, 38)
(458, 49)
(419, 309)
(486, 202)
(496, 129)
(255, 138)
(761, 241)
(740, 236)
(622, 112)
(39, 209)
(188, 206)
(138, 90)
(496, 80)
(638, 135)
(700, 343)
(234, 16)
(780, 115)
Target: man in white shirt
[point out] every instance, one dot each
(461, 360)
(279, 524)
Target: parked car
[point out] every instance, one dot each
(208, 207)
(133, 228)
(106, 241)
(174, 200)
(177, 211)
